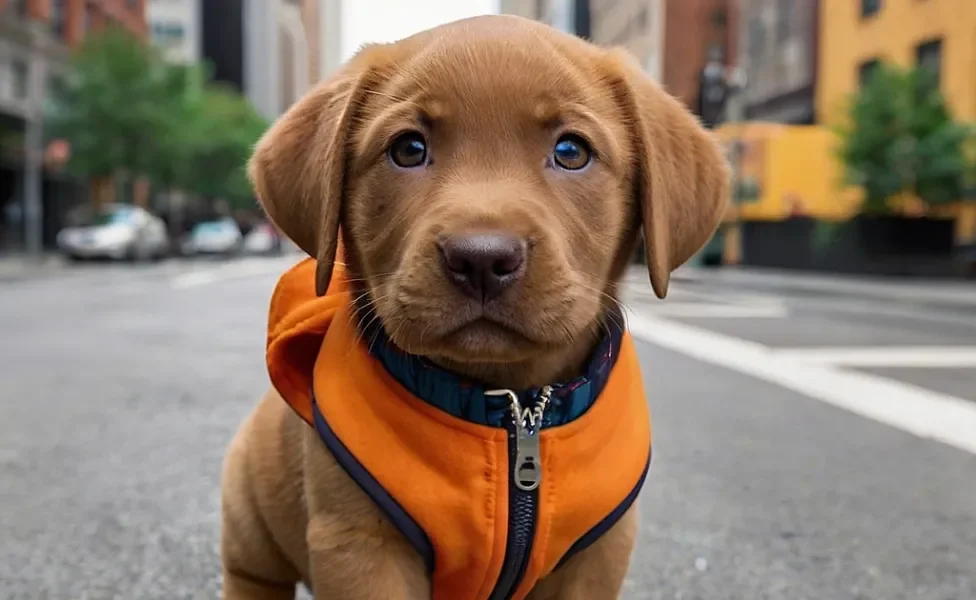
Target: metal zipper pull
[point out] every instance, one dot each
(527, 470)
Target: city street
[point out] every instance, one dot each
(809, 444)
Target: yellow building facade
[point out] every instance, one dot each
(855, 32)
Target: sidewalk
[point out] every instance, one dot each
(950, 294)
(15, 266)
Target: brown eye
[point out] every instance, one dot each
(409, 150)
(571, 152)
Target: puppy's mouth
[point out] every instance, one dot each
(487, 328)
(465, 333)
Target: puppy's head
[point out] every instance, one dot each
(490, 178)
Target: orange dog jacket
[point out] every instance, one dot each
(494, 488)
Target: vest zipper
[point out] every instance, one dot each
(524, 477)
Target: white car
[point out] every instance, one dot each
(114, 231)
(262, 239)
(219, 237)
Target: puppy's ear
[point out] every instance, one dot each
(299, 166)
(682, 176)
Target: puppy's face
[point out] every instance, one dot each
(487, 200)
(490, 178)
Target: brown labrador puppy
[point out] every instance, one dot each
(448, 132)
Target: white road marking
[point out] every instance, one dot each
(701, 310)
(921, 412)
(929, 357)
(224, 272)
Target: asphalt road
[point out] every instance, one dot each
(120, 388)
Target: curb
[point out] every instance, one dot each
(927, 292)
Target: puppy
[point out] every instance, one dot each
(457, 411)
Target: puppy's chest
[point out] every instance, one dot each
(491, 509)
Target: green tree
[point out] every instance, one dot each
(901, 137)
(174, 139)
(224, 131)
(111, 105)
(126, 111)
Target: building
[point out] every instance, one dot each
(271, 50)
(174, 27)
(859, 34)
(779, 57)
(571, 16)
(856, 36)
(693, 31)
(636, 26)
(671, 39)
(36, 37)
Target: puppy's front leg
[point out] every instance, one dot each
(354, 552)
(598, 572)
(364, 560)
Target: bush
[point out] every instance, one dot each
(901, 139)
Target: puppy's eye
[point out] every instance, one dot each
(409, 150)
(571, 152)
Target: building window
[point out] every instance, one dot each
(784, 20)
(929, 57)
(719, 18)
(20, 74)
(57, 17)
(19, 7)
(757, 41)
(167, 32)
(870, 8)
(55, 86)
(866, 70)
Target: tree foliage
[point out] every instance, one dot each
(901, 138)
(223, 134)
(125, 110)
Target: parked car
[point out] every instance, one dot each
(220, 237)
(263, 238)
(116, 232)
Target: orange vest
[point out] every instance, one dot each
(492, 502)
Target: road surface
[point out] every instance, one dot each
(785, 467)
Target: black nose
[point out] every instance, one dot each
(483, 265)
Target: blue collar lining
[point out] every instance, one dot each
(467, 400)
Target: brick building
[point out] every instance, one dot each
(692, 30)
(36, 37)
(70, 20)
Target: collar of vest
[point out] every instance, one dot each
(299, 320)
(467, 399)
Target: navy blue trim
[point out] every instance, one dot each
(390, 507)
(467, 400)
(608, 521)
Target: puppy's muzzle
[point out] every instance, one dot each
(483, 265)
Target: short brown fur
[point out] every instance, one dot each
(491, 95)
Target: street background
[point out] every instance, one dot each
(811, 376)
(118, 405)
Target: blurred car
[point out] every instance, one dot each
(263, 239)
(221, 237)
(114, 231)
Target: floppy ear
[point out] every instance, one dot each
(299, 166)
(682, 176)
